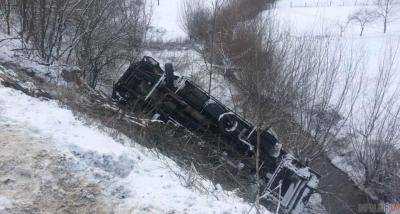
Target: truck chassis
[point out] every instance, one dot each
(146, 87)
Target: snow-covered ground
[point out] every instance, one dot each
(322, 19)
(323, 3)
(132, 177)
(333, 21)
(166, 17)
(10, 53)
(330, 19)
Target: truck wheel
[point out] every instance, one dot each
(228, 122)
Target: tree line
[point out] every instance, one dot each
(309, 90)
(96, 35)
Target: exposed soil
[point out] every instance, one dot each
(35, 178)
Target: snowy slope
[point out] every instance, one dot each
(329, 18)
(325, 19)
(320, 19)
(144, 181)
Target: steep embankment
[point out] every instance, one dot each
(51, 161)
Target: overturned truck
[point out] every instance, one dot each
(146, 87)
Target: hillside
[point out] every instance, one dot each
(331, 20)
(47, 152)
(333, 25)
(65, 147)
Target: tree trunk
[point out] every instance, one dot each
(258, 192)
(93, 76)
(385, 25)
(8, 16)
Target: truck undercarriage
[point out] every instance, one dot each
(145, 87)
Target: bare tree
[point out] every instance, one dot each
(306, 88)
(43, 25)
(363, 17)
(386, 9)
(326, 79)
(342, 27)
(200, 22)
(376, 132)
(109, 34)
(96, 35)
(5, 11)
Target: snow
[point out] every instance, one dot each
(4, 203)
(167, 18)
(333, 21)
(144, 180)
(189, 63)
(342, 162)
(7, 72)
(323, 3)
(149, 181)
(10, 53)
(329, 19)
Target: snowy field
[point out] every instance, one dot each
(333, 21)
(143, 180)
(319, 18)
(167, 17)
(330, 19)
(323, 3)
(322, 19)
